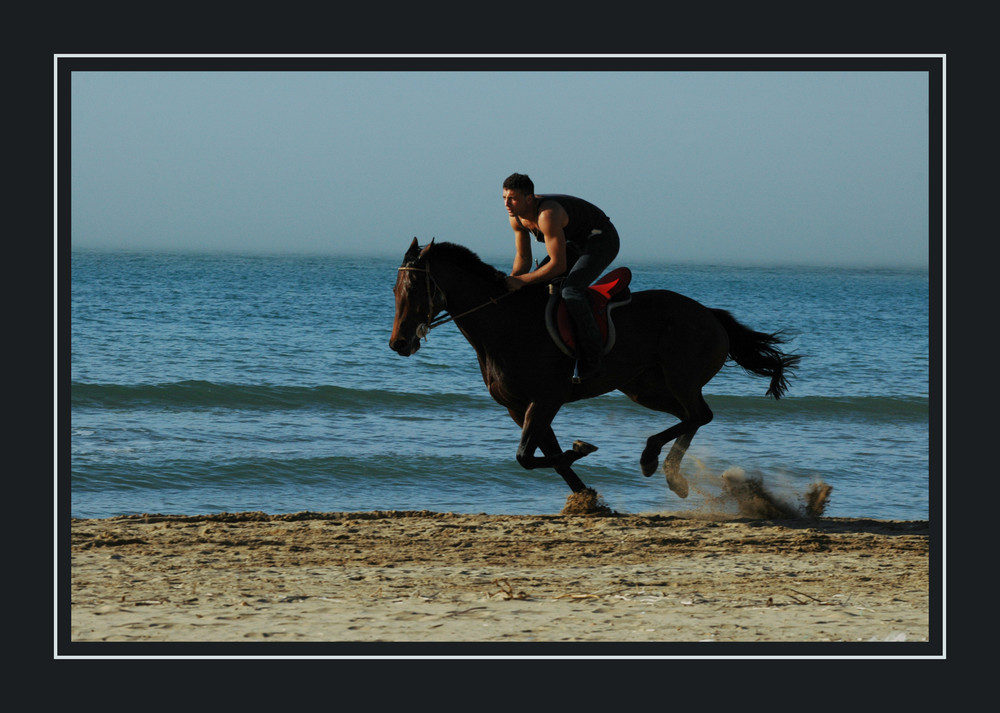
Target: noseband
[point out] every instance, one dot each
(424, 327)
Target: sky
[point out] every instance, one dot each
(716, 167)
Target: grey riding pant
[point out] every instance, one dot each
(589, 264)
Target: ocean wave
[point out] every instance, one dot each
(346, 471)
(874, 407)
(205, 394)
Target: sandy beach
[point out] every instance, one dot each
(644, 581)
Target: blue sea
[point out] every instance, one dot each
(203, 383)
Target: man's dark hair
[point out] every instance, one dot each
(519, 182)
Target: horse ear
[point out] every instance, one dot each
(413, 252)
(427, 247)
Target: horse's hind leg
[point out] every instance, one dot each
(672, 464)
(693, 412)
(650, 458)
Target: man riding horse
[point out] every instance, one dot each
(580, 241)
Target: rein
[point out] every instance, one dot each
(431, 323)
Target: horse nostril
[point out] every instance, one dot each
(400, 346)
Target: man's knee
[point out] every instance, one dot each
(574, 293)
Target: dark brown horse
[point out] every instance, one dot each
(667, 348)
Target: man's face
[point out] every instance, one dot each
(516, 202)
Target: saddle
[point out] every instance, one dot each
(609, 292)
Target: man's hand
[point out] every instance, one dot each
(514, 283)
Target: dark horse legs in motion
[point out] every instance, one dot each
(667, 348)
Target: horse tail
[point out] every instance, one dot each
(758, 354)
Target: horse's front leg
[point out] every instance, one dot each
(536, 433)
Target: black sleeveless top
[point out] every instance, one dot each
(584, 217)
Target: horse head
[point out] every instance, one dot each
(418, 300)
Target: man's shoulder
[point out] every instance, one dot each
(551, 203)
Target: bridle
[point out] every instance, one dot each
(424, 327)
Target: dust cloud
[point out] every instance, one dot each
(749, 496)
(733, 493)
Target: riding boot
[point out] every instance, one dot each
(590, 347)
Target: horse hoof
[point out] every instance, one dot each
(678, 483)
(648, 467)
(583, 448)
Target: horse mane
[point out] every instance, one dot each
(463, 257)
